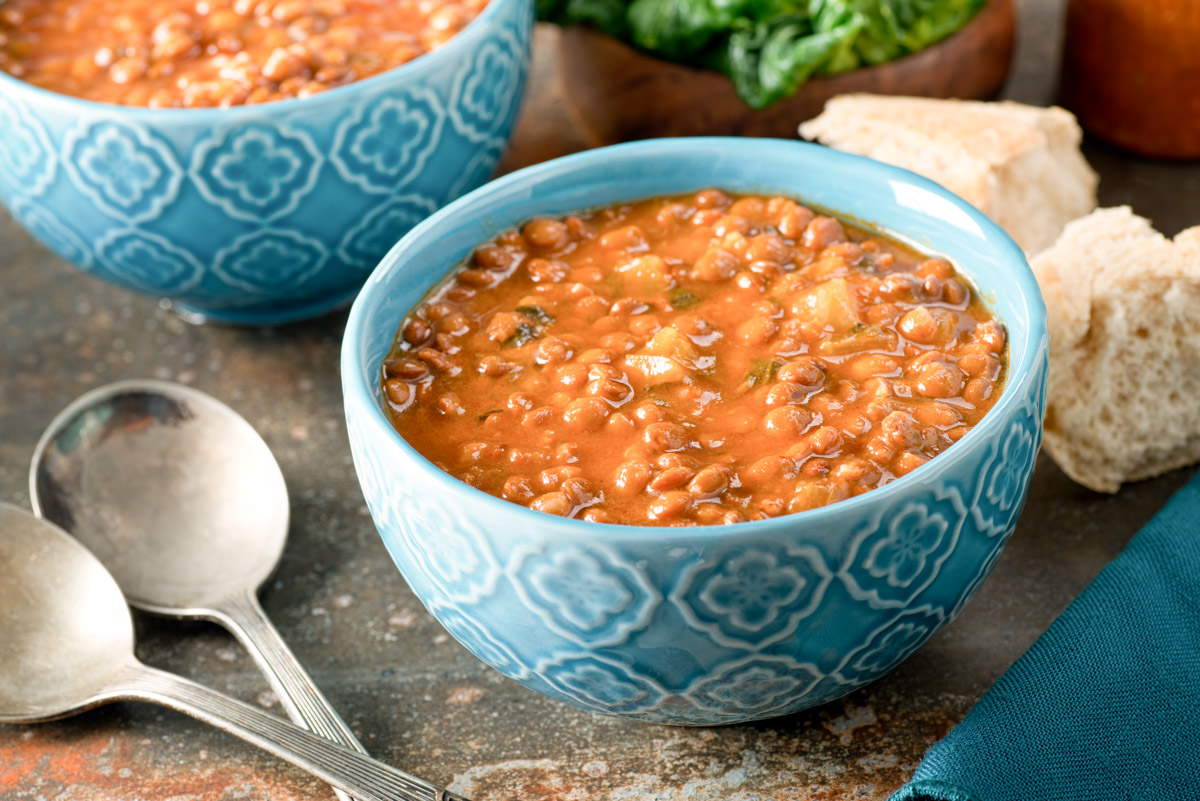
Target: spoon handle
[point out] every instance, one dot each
(358, 775)
(299, 695)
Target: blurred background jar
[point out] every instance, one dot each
(1131, 73)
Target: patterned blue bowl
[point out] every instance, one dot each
(266, 213)
(719, 624)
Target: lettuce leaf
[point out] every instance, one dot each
(769, 48)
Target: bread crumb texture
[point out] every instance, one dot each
(1124, 322)
(1018, 164)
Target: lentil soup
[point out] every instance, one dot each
(203, 53)
(699, 359)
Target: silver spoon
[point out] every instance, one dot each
(182, 501)
(68, 646)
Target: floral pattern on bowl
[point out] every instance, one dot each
(257, 173)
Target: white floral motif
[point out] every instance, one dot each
(148, 262)
(756, 686)
(588, 595)
(483, 93)
(913, 535)
(1006, 476)
(448, 555)
(890, 645)
(753, 590)
(257, 172)
(752, 597)
(366, 243)
(601, 684)
(40, 222)
(453, 559)
(1004, 488)
(900, 640)
(453, 555)
(124, 169)
(26, 160)
(383, 148)
(270, 261)
(253, 171)
(897, 556)
(476, 639)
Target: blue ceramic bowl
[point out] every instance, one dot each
(715, 624)
(265, 213)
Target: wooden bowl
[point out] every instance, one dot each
(615, 93)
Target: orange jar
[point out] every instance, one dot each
(1131, 73)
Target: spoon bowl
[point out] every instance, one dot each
(171, 489)
(66, 629)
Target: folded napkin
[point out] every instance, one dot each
(1106, 704)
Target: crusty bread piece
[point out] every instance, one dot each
(1124, 320)
(1018, 164)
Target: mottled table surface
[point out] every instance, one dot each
(415, 698)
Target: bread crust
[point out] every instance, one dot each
(1019, 164)
(1124, 325)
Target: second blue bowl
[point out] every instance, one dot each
(265, 213)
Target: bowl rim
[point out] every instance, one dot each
(1021, 372)
(208, 115)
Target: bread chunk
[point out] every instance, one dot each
(1018, 164)
(1124, 321)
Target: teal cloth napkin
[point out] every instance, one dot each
(1106, 704)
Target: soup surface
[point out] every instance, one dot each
(191, 53)
(692, 360)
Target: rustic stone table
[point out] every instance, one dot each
(416, 698)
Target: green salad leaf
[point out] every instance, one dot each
(769, 48)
